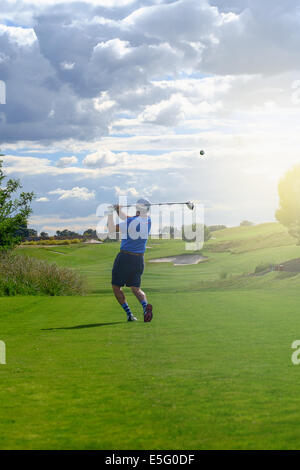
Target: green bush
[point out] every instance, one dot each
(21, 275)
(75, 240)
(54, 242)
(223, 275)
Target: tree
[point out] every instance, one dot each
(13, 212)
(24, 232)
(67, 234)
(288, 213)
(44, 235)
(90, 233)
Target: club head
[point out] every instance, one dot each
(190, 205)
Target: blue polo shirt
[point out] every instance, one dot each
(134, 233)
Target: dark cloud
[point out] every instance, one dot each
(82, 50)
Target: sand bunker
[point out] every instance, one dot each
(181, 260)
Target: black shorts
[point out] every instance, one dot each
(127, 270)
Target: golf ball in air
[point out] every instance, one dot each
(202, 152)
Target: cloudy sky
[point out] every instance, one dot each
(116, 97)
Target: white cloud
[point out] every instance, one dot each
(67, 161)
(42, 199)
(67, 65)
(34, 166)
(115, 47)
(126, 191)
(21, 36)
(78, 193)
(176, 109)
(104, 3)
(181, 20)
(167, 112)
(100, 158)
(206, 88)
(104, 103)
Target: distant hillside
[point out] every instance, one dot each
(244, 239)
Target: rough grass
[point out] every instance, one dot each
(22, 275)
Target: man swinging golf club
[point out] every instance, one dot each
(129, 264)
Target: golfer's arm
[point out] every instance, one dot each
(112, 227)
(121, 214)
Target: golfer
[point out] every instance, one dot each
(129, 264)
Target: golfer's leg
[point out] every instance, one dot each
(147, 308)
(119, 275)
(136, 279)
(135, 283)
(119, 294)
(140, 295)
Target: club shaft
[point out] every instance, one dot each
(160, 204)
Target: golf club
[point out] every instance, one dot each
(189, 204)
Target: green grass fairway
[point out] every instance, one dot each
(212, 371)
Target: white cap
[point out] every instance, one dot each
(143, 204)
